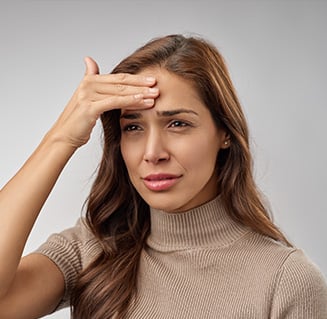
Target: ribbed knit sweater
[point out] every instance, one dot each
(202, 264)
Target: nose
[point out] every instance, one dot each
(155, 148)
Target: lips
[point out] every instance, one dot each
(160, 182)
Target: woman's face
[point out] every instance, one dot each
(170, 150)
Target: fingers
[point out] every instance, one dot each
(91, 66)
(113, 91)
(115, 84)
(130, 102)
(121, 89)
(103, 91)
(126, 79)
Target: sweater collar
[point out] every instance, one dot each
(208, 225)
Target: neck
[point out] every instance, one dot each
(204, 226)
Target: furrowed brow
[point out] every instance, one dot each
(175, 112)
(168, 113)
(131, 116)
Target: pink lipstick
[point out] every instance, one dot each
(160, 182)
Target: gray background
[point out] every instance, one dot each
(276, 51)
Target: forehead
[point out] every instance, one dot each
(168, 81)
(175, 92)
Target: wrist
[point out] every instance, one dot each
(56, 143)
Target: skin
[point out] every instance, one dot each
(32, 286)
(177, 137)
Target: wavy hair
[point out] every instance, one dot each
(119, 217)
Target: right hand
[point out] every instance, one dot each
(97, 94)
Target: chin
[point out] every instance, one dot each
(175, 203)
(162, 201)
(167, 202)
(166, 207)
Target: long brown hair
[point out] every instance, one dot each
(116, 213)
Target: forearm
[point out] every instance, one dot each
(23, 197)
(21, 200)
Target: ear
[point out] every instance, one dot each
(225, 140)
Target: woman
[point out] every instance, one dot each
(175, 227)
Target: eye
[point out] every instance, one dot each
(178, 123)
(131, 127)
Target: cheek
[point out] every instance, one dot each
(199, 163)
(200, 152)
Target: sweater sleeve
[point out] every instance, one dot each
(71, 250)
(301, 291)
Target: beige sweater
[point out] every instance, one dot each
(201, 264)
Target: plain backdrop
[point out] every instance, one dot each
(276, 52)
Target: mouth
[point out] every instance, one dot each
(160, 182)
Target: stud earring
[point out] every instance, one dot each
(226, 142)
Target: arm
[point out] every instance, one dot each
(36, 290)
(23, 196)
(301, 291)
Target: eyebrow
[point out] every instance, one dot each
(137, 115)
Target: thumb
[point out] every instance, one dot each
(91, 66)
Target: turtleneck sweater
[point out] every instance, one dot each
(202, 264)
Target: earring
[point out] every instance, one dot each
(226, 142)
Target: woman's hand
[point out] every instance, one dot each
(97, 94)
(22, 198)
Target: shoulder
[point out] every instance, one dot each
(302, 275)
(266, 251)
(297, 286)
(71, 251)
(300, 290)
(76, 242)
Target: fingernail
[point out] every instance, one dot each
(148, 102)
(153, 90)
(150, 79)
